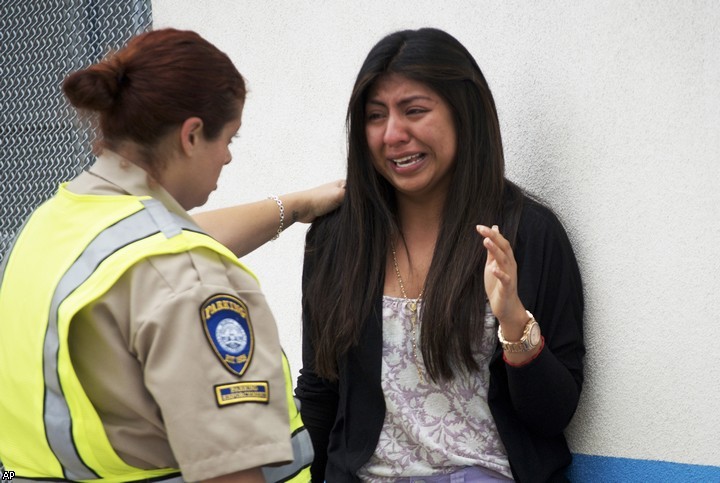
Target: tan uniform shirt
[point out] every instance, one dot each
(146, 363)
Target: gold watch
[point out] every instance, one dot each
(529, 340)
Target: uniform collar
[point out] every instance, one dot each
(134, 180)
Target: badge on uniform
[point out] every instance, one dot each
(226, 321)
(242, 392)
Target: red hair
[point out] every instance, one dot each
(156, 82)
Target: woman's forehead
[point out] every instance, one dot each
(397, 87)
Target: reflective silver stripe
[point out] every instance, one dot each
(58, 425)
(166, 221)
(302, 458)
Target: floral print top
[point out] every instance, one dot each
(432, 428)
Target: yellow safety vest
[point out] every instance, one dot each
(48, 426)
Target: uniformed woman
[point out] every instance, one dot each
(135, 346)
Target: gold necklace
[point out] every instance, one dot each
(412, 305)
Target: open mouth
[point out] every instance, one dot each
(408, 161)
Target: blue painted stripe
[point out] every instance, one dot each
(589, 469)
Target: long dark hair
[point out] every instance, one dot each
(340, 295)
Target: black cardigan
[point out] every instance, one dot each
(531, 405)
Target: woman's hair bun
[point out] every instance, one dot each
(153, 84)
(96, 88)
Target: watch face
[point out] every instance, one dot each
(535, 335)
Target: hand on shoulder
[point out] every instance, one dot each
(317, 201)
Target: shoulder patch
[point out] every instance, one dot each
(242, 392)
(227, 325)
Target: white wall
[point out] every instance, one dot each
(610, 112)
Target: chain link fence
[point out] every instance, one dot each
(42, 140)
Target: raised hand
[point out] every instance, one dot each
(501, 282)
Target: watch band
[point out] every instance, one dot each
(529, 340)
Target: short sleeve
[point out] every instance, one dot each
(211, 358)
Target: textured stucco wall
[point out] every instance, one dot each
(610, 112)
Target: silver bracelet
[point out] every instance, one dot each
(282, 216)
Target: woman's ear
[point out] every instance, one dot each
(190, 133)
